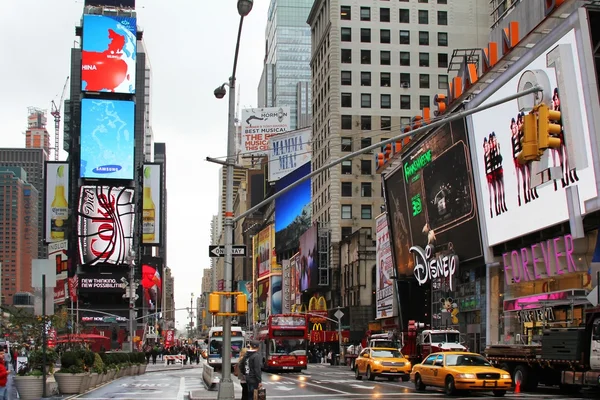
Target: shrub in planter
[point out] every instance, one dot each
(29, 383)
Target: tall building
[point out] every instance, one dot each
(148, 132)
(18, 231)
(287, 59)
(160, 156)
(32, 161)
(169, 303)
(36, 135)
(239, 176)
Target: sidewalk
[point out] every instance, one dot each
(160, 367)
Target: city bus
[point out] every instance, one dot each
(284, 342)
(215, 345)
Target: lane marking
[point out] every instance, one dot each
(309, 384)
(181, 392)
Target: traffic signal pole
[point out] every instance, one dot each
(432, 125)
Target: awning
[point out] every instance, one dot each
(552, 299)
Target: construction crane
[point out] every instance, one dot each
(55, 112)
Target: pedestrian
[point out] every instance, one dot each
(3, 379)
(7, 358)
(252, 368)
(237, 372)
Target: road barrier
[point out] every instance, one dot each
(173, 357)
(208, 375)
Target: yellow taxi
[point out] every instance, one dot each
(382, 361)
(460, 370)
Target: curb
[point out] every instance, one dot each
(169, 369)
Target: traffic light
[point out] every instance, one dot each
(548, 128)
(214, 303)
(529, 141)
(241, 304)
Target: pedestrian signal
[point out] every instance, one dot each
(529, 140)
(214, 303)
(549, 128)
(241, 304)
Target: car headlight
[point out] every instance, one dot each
(466, 376)
(505, 376)
(377, 362)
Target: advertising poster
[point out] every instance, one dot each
(111, 3)
(288, 151)
(259, 124)
(526, 193)
(286, 306)
(384, 270)
(108, 54)
(308, 260)
(56, 215)
(107, 139)
(276, 294)
(152, 269)
(295, 279)
(101, 283)
(58, 251)
(151, 203)
(265, 255)
(105, 224)
(293, 210)
(263, 300)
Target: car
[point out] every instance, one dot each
(382, 361)
(460, 370)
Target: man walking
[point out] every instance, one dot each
(252, 368)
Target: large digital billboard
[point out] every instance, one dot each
(58, 251)
(106, 218)
(309, 259)
(520, 199)
(151, 211)
(108, 54)
(264, 252)
(292, 209)
(101, 283)
(107, 139)
(385, 270)
(152, 282)
(56, 215)
(259, 124)
(288, 151)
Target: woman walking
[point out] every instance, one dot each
(241, 375)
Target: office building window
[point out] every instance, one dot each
(346, 78)
(365, 167)
(366, 212)
(385, 36)
(404, 16)
(405, 102)
(346, 144)
(424, 81)
(405, 80)
(365, 78)
(385, 58)
(346, 56)
(442, 60)
(365, 56)
(386, 123)
(347, 167)
(346, 211)
(442, 1)
(365, 142)
(365, 35)
(424, 38)
(404, 121)
(365, 100)
(346, 99)
(346, 121)
(423, 59)
(346, 13)
(442, 81)
(386, 101)
(384, 15)
(442, 17)
(424, 101)
(443, 39)
(365, 189)
(423, 1)
(423, 17)
(346, 189)
(365, 122)
(385, 79)
(346, 231)
(405, 58)
(365, 14)
(346, 34)
(404, 37)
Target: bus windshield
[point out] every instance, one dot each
(293, 347)
(216, 345)
(446, 337)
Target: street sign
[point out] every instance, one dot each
(338, 314)
(237, 250)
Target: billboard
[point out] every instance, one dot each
(108, 54)
(431, 199)
(292, 210)
(152, 284)
(101, 283)
(259, 124)
(295, 279)
(288, 151)
(111, 3)
(525, 193)
(151, 203)
(263, 300)
(309, 259)
(384, 270)
(58, 251)
(105, 224)
(107, 139)
(287, 302)
(264, 252)
(276, 294)
(56, 209)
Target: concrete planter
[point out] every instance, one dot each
(135, 369)
(29, 387)
(69, 383)
(111, 374)
(85, 383)
(94, 379)
(143, 368)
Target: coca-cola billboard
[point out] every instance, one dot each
(105, 224)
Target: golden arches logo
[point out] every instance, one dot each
(317, 327)
(317, 304)
(298, 308)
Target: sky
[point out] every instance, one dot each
(191, 45)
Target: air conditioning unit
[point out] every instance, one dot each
(405, 85)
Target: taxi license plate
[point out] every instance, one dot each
(287, 367)
(489, 384)
(393, 370)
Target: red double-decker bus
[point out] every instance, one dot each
(284, 342)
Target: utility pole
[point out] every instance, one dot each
(191, 315)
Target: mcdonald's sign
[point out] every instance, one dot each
(317, 309)
(317, 326)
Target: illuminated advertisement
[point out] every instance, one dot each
(101, 283)
(56, 216)
(308, 260)
(151, 202)
(293, 210)
(276, 294)
(263, 301)
(108, 54)
(286, 306)
(264, 252)
(111, 3)
(534, 193)
(289, 151)
(295, 279)
(431, 199)
(259, 124)
(107, 139)
(105, 224)
(246, 288)
(58, 251)
(384, 270)
(152, 268)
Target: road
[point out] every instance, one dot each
(318, 382)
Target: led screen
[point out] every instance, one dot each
(292, 210)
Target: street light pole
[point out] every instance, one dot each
(226, 385)
(131, 298)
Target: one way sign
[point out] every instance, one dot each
(237, 250)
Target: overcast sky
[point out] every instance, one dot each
(190, 44)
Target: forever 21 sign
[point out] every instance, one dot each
(428, 266)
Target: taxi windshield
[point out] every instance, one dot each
(386, 354)
(459, 360)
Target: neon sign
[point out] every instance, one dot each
(428, 266)
(411, 168)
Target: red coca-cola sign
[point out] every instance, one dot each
(60, 291)
(169, 338)
(105, 224)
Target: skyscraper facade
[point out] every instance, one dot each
(18, 231)
(287, 58)
(36, 135)
(169, 307)
(160, 156)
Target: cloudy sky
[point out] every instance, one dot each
(190, 44)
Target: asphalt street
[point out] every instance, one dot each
(318, 382)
